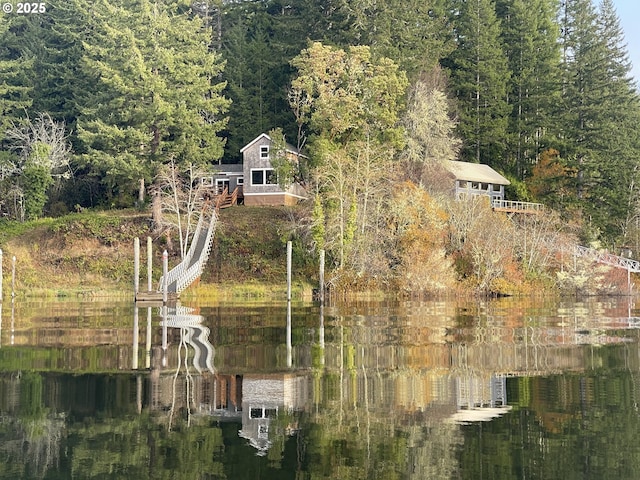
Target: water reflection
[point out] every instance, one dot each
(432, 390)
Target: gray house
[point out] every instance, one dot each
(260, 182)
(226, 176)
(476, 179)
(255, 178)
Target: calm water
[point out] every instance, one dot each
(434, 390)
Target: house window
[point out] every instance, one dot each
(240, 181)
(221, 184)
(462, 183)
(263, 176)
(256, 412)
(264, 151)
(496, 187)
(207, 181)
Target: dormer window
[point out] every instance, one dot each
(264, 151)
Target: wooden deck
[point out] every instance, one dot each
(154, 299)
(509, 206)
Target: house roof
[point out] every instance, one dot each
(227, 168)
(475, 172)
(290, 148)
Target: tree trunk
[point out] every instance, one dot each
(156, 212)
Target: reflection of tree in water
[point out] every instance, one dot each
(31, 435)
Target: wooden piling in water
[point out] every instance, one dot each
(149, 264)
(289, 249)
(136, 266)
(165, 271)
(13, 276)
(321, 286)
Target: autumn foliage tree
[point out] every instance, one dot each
(420, 229)
(353, 100)
(552, 181)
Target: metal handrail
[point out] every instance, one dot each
(609, 259)
(192, 265)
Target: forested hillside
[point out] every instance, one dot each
(97, 97)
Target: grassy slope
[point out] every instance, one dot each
(93, 252)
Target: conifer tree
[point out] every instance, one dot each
(600, 113)
(157, 94)
(414, 33)
(15, 75)
(530, 30)
(479, 74)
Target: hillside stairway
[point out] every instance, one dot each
(192, 265)
(628, 264)
(193, 334)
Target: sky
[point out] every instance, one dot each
(629, 14)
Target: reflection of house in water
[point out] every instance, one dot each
(480, 397)
(183, 378)
(428, 376)
(264, 399)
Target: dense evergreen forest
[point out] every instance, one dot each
(97, 96)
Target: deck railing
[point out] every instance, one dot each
(516, 207)
(193, 263)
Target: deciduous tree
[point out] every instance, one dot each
(354, 103)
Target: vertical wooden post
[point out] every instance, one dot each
(136, 329)
(149, 264)
(165, 271)
(13, 276)
(0, 275)
(321, 333)
(136, 266)
(321, 277)
(289, 261)
(164, 335)
(147, 363)
(289, 346)
(289, 249)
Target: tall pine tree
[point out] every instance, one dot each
(157, 96)
(600, 113)
(414, 33)
(16, 73)
(530, 30)
(479, 74)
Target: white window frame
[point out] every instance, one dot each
(221, 183)
(264, 176)
(264, 152)
(207, 182)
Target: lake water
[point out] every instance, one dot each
(504, 389)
